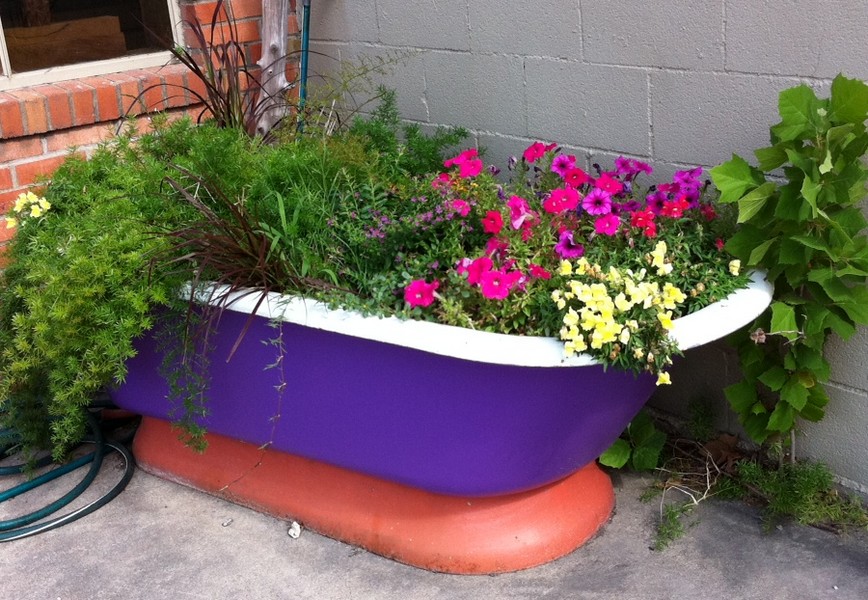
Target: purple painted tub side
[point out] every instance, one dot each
(435, 422)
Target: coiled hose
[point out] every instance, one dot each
(23, 526)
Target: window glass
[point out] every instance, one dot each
(50, 33)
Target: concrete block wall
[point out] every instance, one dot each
(674, 82)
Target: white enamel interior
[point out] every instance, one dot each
(704, 326)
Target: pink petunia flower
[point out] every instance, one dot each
(420, 293)
(575, 177)
(562, 163)
(467, 162)
(561, 200)
(607, 224)
(598, 202)
(567, 247)
(630, 167)
(471, 168)
(536, 151)
(492, 222)
(442, 180)
(461, 207)
(609, 184)
(538, 272)
(708, 212)
(477, 268)
(675, 208)
(464, 157)
(520, 211)
(641, 218)
(495, 285)
(496, 245)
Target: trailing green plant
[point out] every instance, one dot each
(77, 290)
(807, 230)
(640, 445)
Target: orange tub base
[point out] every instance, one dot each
(440, 533)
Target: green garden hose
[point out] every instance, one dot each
(23, 526)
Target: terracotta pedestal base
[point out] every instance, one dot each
(436, 532)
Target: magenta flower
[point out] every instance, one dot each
(563, 163)
(461, 207)
(477, 268)
(567, 247)
(538, 272)
(609, 184)
(471, 168)
(656, 200)
(442, 180)
(465, 156)
(575, 177)
(630, 167)
(467, 162)
(536, 151)
(492, 222)
(495, 285)
(420, 293)
(598, 202)
(607, 224)
(520, 211)
(561, 200)
(495, 245)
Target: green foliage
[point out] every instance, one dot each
(418, 154)
(807, 232)
(640, 445)
(671, 526)
(78, 291)
(804, 492)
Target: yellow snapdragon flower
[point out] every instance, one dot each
(663, 378)
(665, 319)
(566, 268)
(735, 267)
(672, 296)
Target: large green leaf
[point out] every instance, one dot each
(775, 378)
(810, 189)
(784, 321)
(783, 418)
(793, 393)
(617, 455)
(771, 158)
(791, 253)
(742, 243)
(849, 101)
(735, 177)
(741, 396)
(750, 204)
(759, 252)
(798, 109)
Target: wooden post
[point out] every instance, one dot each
(275, 14)
(36, 12)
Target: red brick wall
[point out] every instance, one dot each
(40, 125)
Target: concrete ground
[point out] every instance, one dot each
(161, 540)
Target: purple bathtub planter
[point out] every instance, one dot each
(441, 409)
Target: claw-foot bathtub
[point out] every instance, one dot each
(445, 448)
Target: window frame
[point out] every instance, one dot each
(90, 68)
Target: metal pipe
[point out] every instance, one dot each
(305, 51)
